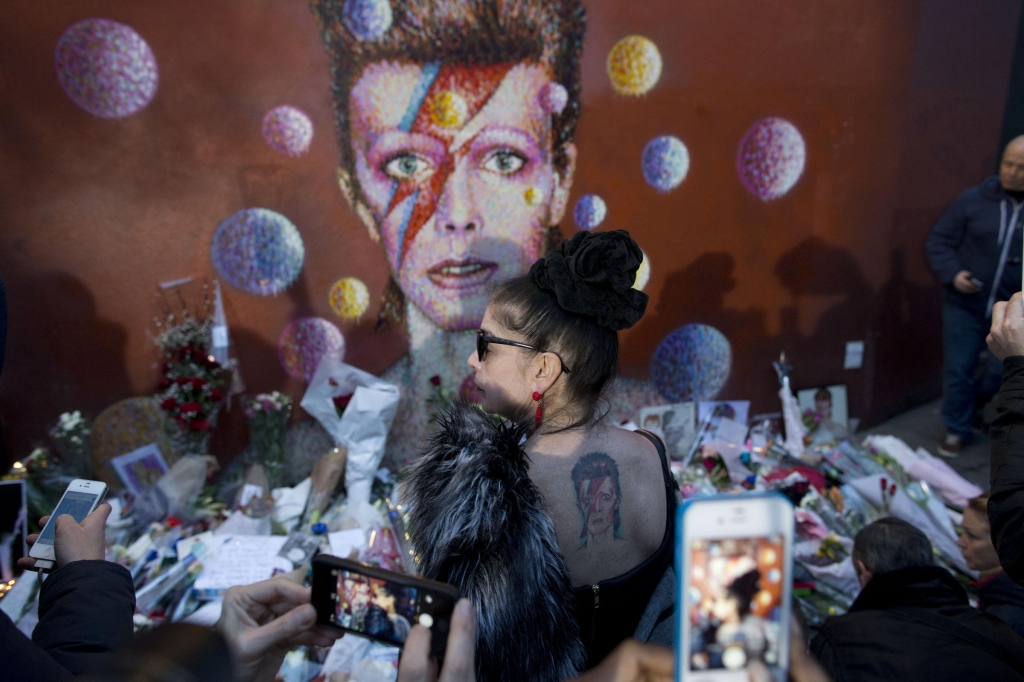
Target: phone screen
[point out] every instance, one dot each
(375, 607)
(78, 505)
(735, 596)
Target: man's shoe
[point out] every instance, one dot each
(951, 446)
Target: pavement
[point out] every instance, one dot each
(922, 427)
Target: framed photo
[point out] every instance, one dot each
(140, 469)
(827, 403)
(676, 424)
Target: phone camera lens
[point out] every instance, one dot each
(426, 620)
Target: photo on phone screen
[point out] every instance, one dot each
(78, 505)
(735, 602)
(373, 606)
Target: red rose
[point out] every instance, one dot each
(192, 407)
(165, 368)
(435, 380)
(163, 383)
(216, 395)
(199, 425)
(342, 401)
(211, 363)
(181, 381)
(198, 382)
(169, 404)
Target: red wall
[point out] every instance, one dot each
(899, 102)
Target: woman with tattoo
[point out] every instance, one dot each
(547, 349)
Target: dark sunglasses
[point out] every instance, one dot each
(482, 341)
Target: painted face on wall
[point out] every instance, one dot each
(598, 503)
(456, 165)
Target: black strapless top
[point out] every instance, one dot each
(608, 612)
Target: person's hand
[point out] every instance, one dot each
(1006, 337)
(962, 283)
(73, 541)
(633, 661)
(263, 620)
(459, 657)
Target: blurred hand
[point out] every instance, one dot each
(263, 620)
(962, 283)
(459, 657)
(1006, 337)
(633, 661)
(73, 541)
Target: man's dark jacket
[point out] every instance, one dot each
(897, 629)
(999, 596)
(967, 238)
(85, 612)
(1006, 503)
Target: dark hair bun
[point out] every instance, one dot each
(593, 274)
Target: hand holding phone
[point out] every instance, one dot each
(74, 531)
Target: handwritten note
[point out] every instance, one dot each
(241, 560)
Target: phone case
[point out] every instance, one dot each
(439, 608)
(679, 559)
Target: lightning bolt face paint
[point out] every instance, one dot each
(445, 154)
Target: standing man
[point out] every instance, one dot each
(975, 249)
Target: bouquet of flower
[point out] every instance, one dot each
(268, 415)
(193, 383)
(811, 419)
(71, 437)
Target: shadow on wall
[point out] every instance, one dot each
(75, 357)
(902, 318)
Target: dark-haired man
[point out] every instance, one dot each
(975, 249)
(911, 620)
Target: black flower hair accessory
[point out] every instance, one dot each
(593, 274)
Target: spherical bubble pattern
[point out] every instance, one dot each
(349, 298)
(367, 19)
(771, 158)
(590, 211)
(288, 130)
(258, 251)
(691, 363)
(106, 68)
(553, 98)
(305, 342)
(634, 66)
(643, 273)
(665, 162)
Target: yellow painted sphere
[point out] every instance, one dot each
(634, 66)
(448, 109)
(349, 298)
(532, 196)
(643, 274)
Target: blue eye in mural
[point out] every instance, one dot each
(305, 342)
(258, 251)
(367, 19)
(692, 363)
(106, 68)
(590, 211)
(771, 158)
(288, 130)
(665, 162)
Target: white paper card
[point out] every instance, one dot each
(344, 541)
(202, 546)
(241, 560)
(220, 336)
(854, 358)
(731, 431)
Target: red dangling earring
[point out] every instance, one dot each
(538, 417)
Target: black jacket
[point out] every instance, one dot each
(897, 630)
(1001, 597)
(85, 612)
(967, 238)
(1006, 504)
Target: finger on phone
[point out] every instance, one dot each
(460, 654)
(27, 563)
(415, 664)
(998, 313)
(43, 521)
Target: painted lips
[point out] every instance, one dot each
(462, 274)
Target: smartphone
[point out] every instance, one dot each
(735, 560)
(79, 500)
(977, 282)
(379, 604)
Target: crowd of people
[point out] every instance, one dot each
(546, 351)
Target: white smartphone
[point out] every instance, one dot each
(735, 556)
(79, 500)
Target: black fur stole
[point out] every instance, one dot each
(479, 523)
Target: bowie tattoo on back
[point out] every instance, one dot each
(595, 481)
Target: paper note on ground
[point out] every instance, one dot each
(344, 541)
(241, 560)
